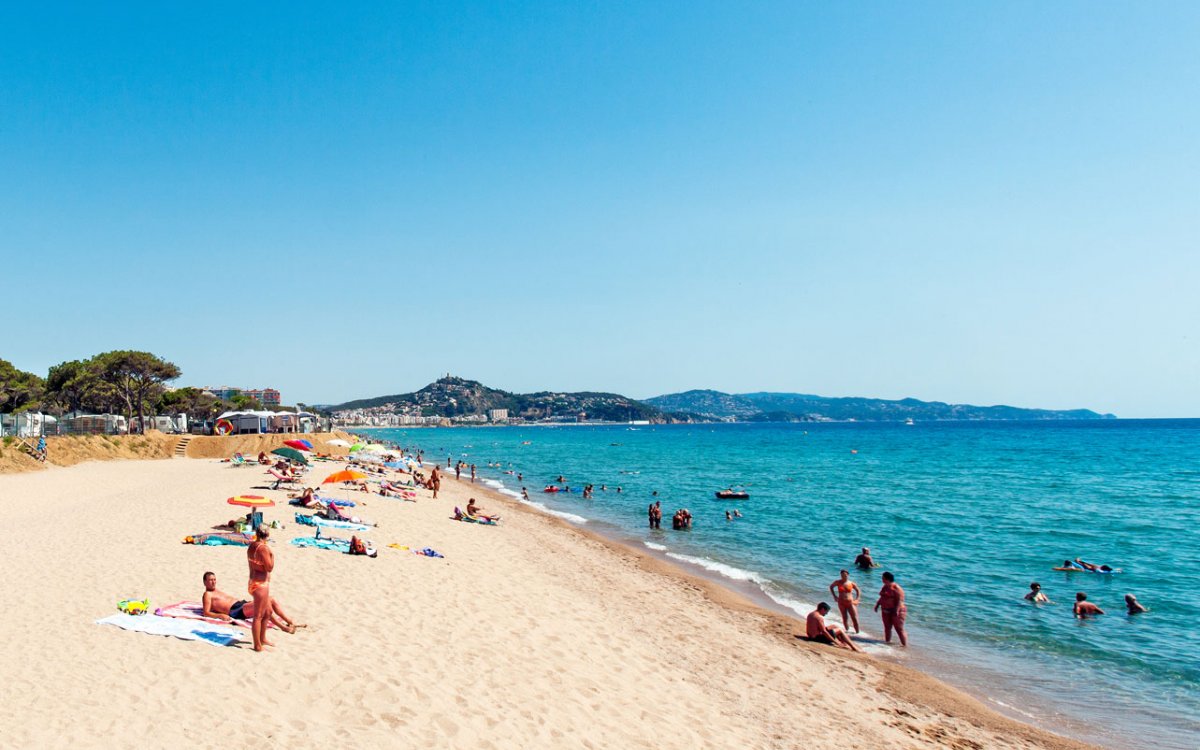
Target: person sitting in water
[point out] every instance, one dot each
(818, 631)
(1133, 606)
(737, 513)
(728, 516)
(1035, 594)
(221, 606)
(1093, 568)
(1084, 608)
(864, 561)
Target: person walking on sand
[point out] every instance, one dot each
(435, 481)
(262, 562)
(892, 609)
(847, 594)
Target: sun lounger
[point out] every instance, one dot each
(281, 479)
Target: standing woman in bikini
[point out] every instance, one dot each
(262, 561)
(892, 609)
(847, 594)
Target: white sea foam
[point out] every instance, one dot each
(510, 493)
(729, 571)
(548, 511)
(493, 483)
(655, 546)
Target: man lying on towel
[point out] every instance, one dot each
(221, 606)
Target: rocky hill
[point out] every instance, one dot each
(456, 397)
(791, 407)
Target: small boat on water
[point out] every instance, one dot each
(908, 421)
(732, 494)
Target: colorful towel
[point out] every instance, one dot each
(426, 552)
(188, 630)
(225, 537)
(195, 611)
(306, 520)
(340, 545)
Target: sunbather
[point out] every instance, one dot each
(221, 606)
(476, 511)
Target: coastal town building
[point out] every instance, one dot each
(265, 396)
(497, 415)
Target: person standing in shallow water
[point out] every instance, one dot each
(892, 609)
(847, 594)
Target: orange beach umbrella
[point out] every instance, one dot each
(346, 475)
(251, 501)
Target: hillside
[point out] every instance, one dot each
(457, 397)
(784, 407)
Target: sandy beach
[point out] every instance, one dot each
(527, 634)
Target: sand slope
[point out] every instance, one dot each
(527, 635)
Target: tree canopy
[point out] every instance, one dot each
(19, 390)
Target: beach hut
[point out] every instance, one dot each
(248, 422)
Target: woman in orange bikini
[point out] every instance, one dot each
(847, 594)
(262, 561)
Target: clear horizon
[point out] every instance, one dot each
(982, 205)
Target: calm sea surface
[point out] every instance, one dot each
(965, 514)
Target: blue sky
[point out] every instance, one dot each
(960, 202)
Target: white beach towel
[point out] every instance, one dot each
(188, 630)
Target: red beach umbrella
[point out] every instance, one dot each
(299, 445)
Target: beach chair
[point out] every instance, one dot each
(281, 479)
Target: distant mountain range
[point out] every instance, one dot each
(799, 407)
(453, 397)
(456, 397)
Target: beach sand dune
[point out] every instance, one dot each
(526, 635)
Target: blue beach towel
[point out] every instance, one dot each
(306, 520)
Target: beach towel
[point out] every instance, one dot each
(195, 611)
(188, 630)
(462, 516)
(341, 545)
(426, 552)
(220, 538)
(306, 520)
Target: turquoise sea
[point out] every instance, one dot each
(965, 514)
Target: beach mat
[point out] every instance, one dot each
(341, 545)
(306, 520)
(232, 538)
(195, 611)
(188, 630)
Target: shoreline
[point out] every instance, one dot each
(908, 684)
(596, 636)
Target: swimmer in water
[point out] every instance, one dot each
(1093, 568)
(1035, 594)
(1133, 606)
(1084, 608)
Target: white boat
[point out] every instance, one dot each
(909, 422)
